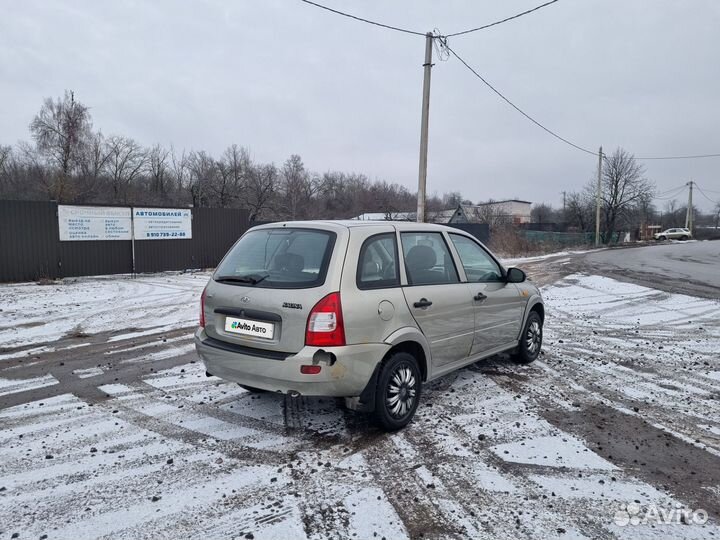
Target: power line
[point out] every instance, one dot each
(705, 195)
(699, 156)
(443, 39)
(348, 15)
(671, 189)
(415, 32)
(670, 194)
(518, 109)
(501, 21)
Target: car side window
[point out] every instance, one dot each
(427, 259)
(478, 264)
(377, 264)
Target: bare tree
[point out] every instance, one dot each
(232, 172)
(491, 212)
(5, 157)
(60, 130)
(624, 186)
(260, 189)
(157, 167)
(542, 213)
(297, 188)
(579, 211)
(126, 161)
(202, 170)
(92, 162)
(716, 215)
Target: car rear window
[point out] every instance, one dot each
(281, 258)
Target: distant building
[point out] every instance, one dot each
(510, 211)
(494, 212)
(386, 216)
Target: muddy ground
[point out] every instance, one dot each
(120, 434)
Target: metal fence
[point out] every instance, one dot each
(481, 231)
(567, 239)
(30, 246)
(559, 238)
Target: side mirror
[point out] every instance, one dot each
(515, 275)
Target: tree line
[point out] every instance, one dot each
(70, 162)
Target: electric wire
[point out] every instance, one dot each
(501, 21)
(417, 33)
(518, 109)
(368, 21)
(705, 195)
(698, 156)
(443, 40)
(666, 192)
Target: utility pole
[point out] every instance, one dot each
(689, 213)
(422, 174)
(597, 199)
(564, 204)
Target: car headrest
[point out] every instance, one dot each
(370, 269)
(290, 262)
(421, 258)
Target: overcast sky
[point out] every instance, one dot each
(282, 77)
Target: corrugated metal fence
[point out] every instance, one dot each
(30, 247)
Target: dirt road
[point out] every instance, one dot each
(118, 433)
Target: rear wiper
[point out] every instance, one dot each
(252, 280)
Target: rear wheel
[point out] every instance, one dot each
(398, 391)
(684, 237)
(531, 339)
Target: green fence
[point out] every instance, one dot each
(559, 238)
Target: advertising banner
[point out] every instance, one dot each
(94, 223)
(162, 223)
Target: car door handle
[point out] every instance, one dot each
(479, 297)
(423, 303)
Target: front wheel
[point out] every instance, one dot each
(398, 391)
(683, 238)
(531, 340)
(661, 238)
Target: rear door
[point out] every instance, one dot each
(263, 290)
(499, 306)
(440, 304)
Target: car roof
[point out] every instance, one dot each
(354, 224)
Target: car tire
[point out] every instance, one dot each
(531, 340)
(683, 237)
(661, 238)
(252, 389)
(399, 386)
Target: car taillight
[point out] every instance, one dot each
(325, 327)
(202, 308)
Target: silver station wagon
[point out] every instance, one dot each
(368, 311)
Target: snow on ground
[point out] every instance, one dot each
(33, 313)
(515, 261)
(492, 453)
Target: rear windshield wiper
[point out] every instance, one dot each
(250, 279)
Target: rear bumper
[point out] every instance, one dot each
(346, 377)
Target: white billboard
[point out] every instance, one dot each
(162, 223)
(94, 223)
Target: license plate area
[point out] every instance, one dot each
(249, 327)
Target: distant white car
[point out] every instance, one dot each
(679, 233)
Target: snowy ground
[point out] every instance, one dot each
(120, 434)
(33, 314)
